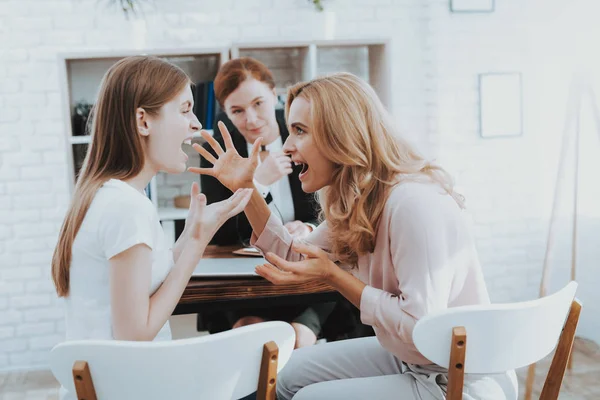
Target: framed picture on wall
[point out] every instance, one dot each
(500, 104)
(471, 6)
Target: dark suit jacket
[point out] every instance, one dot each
(238, 229)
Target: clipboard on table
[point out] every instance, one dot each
(248, 252)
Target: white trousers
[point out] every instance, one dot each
(362, 369)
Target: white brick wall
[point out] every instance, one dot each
(436, 58)
(509, 182)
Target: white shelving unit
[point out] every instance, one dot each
(80, 139)
(290, 62)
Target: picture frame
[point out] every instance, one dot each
(500, 104)
(472, 6)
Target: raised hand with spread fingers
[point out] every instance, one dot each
(231, 169)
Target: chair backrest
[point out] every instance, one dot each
(500, 337)
(221, 366)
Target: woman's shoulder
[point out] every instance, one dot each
(419, 196)
(414, 189)
(117, 198)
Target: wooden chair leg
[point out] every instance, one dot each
(456, 370)
(529, 382)
(84, 386)
(267, 379)
(562, 354)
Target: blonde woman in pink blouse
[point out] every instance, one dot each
(394, 241)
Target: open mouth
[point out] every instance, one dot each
(304, 168)
(187, 141)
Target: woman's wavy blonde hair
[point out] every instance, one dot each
(353, 130)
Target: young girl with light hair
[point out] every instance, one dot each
(111, 264)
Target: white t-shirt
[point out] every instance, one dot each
(119, 218)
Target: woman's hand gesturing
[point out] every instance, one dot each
(231, 169)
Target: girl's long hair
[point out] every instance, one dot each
(116, 150)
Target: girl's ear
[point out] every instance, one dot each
(141, 119)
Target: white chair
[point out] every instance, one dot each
(227, 365)
(500, 337)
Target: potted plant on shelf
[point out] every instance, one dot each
(318, 4)
(127, 6)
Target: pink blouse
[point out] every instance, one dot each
(424, 260)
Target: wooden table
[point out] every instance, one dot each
(230, 293)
